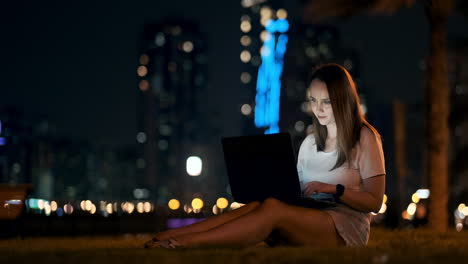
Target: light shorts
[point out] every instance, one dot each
(353, 226)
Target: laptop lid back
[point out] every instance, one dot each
(261, 166)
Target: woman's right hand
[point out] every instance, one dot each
(318, 187)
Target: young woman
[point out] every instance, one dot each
(342, 157)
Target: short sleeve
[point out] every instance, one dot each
(300, 161)
(371, 158)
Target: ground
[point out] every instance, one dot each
(385, 246)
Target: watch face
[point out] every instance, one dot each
(339, 190)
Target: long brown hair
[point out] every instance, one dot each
(346, 107)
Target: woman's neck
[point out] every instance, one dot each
(331, 131)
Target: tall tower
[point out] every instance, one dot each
(171, 71)
(264, 37)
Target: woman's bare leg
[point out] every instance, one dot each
(301, 226)
(208, 223)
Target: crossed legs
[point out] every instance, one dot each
(255, 222)
(208, 223)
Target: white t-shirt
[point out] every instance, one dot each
(368, 161)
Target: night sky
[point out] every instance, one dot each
(74, 63)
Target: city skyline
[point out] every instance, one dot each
(71, 65)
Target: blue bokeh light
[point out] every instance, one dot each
(267, 100)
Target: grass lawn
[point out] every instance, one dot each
(385, 246)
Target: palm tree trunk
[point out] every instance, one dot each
(399, 131)
(437, 115)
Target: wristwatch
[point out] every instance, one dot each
(339, 191)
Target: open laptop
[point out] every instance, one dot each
(263, 166)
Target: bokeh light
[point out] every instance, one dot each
(299, 126)
(144, 59)
(465, 211)
(173, 204)
(160, 39)
(246, 109)
(53, 206)
(109, 208)
(236, 205)
(245, 56)
(245, 40)
(383, 209)
(245, 26)
(266, 12)
(147, 207)
(141, 137)
(92, 210)
(187, 46)
(222, 203)
(40, 204)
(88, 205)
(142, 71)
(140, 208)
(216, 210)
(405, 215)
(194, 166)
(263, 35)
(197, 204)
(245, 77)
(423, 193)
(411, 209)
(68, 208)
(188, 209)
(281, 13)
(47, 209)
(143, 85)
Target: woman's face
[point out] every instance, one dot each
(319, 102)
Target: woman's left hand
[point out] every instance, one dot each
(318, 187)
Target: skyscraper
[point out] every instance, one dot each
(264, 38)
(171, 71)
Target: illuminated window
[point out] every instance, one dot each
(245, 26)
(281, 13)
(245, 77)
(187, 46)
(245, 56)
(141, 137)
(144, 59)
(160, 40)
(245, 40)
(246, 109)
(142, 71)
(143, 85)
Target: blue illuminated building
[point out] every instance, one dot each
(268, 80)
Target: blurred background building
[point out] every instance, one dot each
(151, 133)
(458, 78)
(173, 133)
